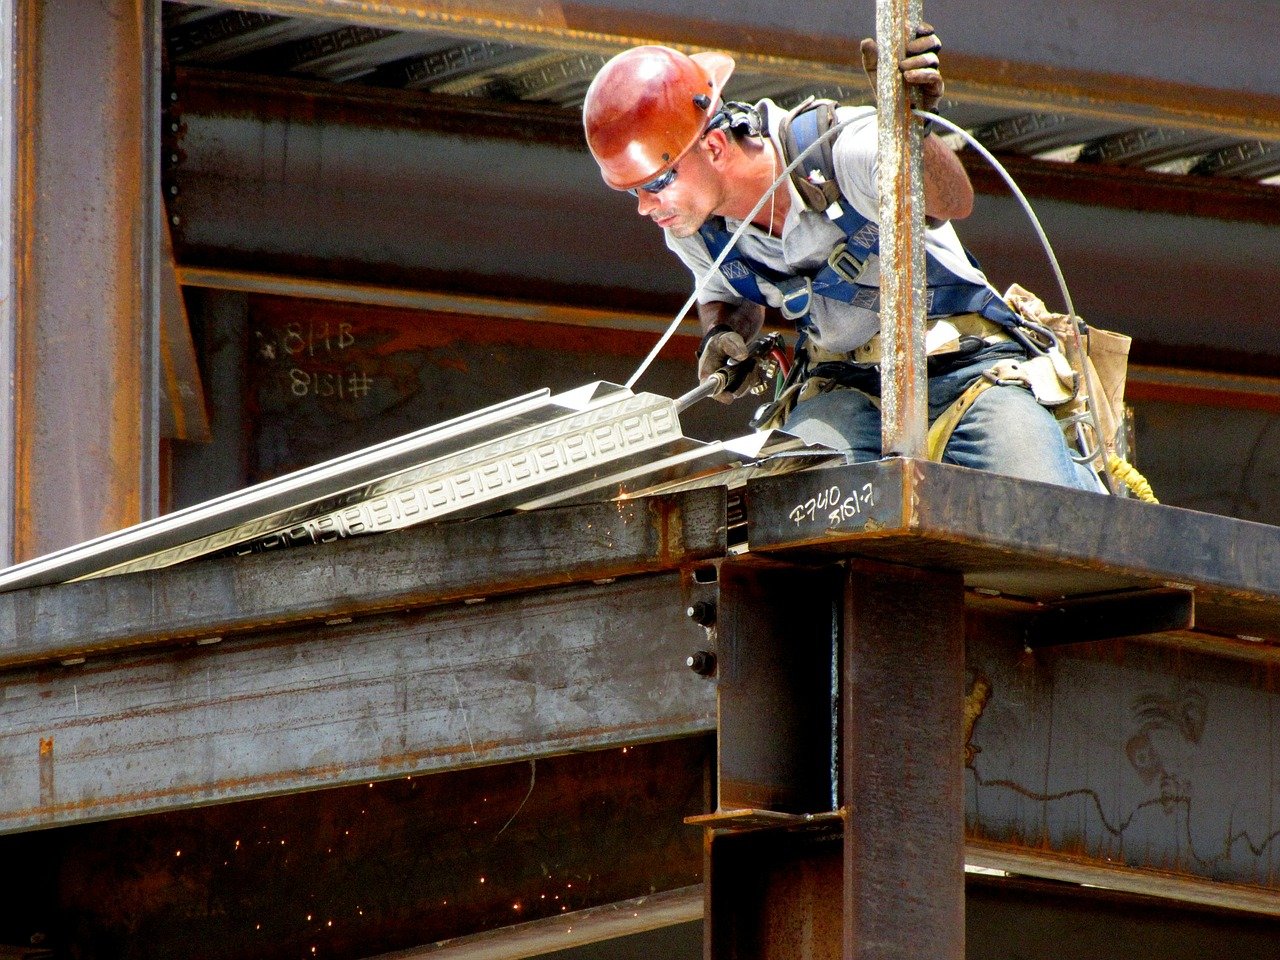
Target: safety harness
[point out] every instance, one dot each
(841, 277)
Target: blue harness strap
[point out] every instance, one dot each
(947, 293)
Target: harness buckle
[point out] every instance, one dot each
(797, 297)
(845, 264)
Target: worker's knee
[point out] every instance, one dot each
(844, 420)
(1006, 431)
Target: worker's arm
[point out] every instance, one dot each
(727, 328)
(948, 194)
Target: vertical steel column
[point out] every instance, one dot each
(902, 269)
(78, 323)
(902, 763)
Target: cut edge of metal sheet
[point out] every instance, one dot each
(1049, 865)
(311, 483)
(721, 463)
(623, 429)
(576, 929)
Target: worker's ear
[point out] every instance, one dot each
(716, 146)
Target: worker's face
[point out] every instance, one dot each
(683, 205)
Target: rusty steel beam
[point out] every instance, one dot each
(344, 206)
(383, 696)
(776, 750)
(901, 699)
(414, 568)
(579, 928)
(1130, 764)
(1026, 539)
(1041, 55)
(1147, 765)
(82, 312)
(1127, 188)
(522, 854)
(900, 181)
(183, 414)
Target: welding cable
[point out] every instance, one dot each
(733, 242)
(1099, 453)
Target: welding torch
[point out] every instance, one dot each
(732, 375)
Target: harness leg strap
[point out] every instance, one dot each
(941, 429)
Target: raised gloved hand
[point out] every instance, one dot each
(721, 344)
(920, 69)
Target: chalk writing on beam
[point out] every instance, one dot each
(833, 506)
(312, 338)
(352, 385)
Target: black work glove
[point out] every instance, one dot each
(718, 348)
(920, 67)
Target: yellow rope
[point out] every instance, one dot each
(1128, 474)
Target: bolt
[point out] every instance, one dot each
(702, 612)
(703, 663)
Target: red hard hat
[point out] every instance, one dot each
(647, 107)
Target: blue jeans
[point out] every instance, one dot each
(1005, 431)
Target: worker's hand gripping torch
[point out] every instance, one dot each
(765, 355)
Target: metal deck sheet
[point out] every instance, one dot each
(596, 442)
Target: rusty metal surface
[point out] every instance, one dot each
(397, 694)
(901, 732)
(1025, 539)
(1126, 754)
(1190, 46)
(1125, 613)
(370, 868)
(900, 183)
(345, 169)
(578, 928)
(416, 568)
(183, 414)
(772, 896)
(11, 155)
(83, 98)
(775, 642)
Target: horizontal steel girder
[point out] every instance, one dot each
(323, 183)
(1026, 539)
(360, 577)
(1069, 58)
(1123, 763)
(397, 694)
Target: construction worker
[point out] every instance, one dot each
(697, 165)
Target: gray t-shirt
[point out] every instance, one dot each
(808, 237)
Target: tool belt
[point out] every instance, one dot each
(825, 370)
(942, 336)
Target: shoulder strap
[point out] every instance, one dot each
(740, 272)
(815, 178)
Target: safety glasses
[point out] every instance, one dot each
(657, 184)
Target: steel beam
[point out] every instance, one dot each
(776, 745)
(346, 171)
(81, 314)
(1042, 54)
(1127, 764)
(1124, 188)
(581, 842)
(415, 568)
(902, 683)
(577, 929)
(378, 697)
(1025, 539)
